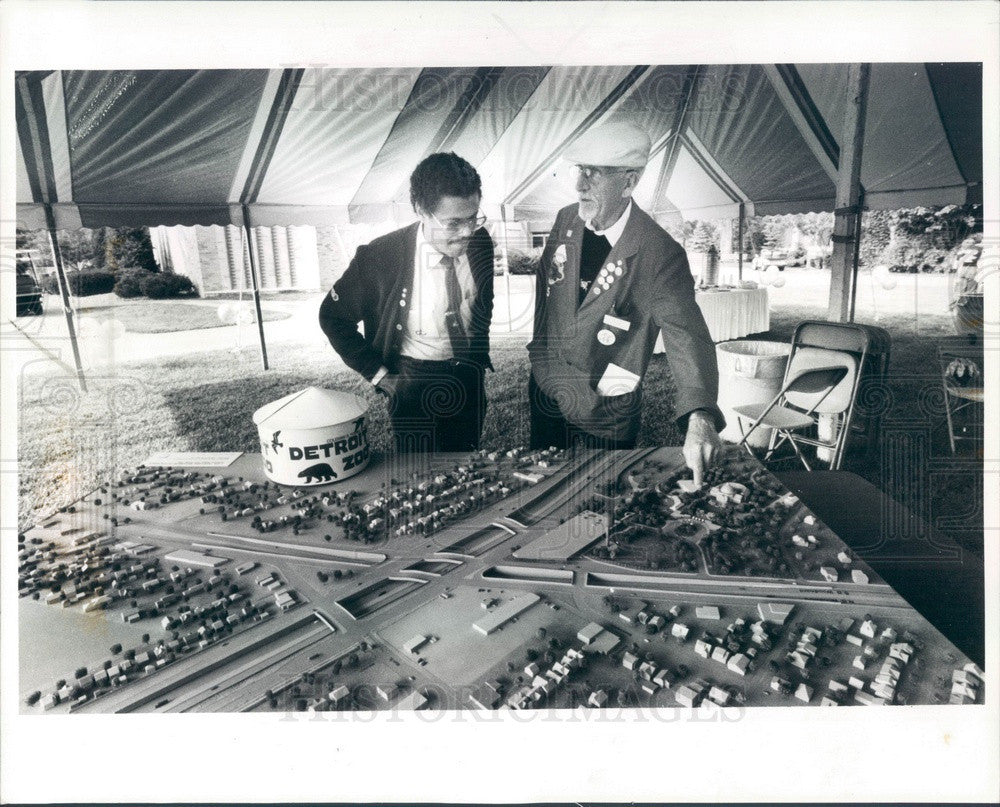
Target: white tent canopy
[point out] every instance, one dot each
(327, 146)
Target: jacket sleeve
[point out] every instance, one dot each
(482, 312)
(689, 346)
(347, 304)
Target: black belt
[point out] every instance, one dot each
(431, 364)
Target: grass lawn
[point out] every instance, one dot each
(163, 316)
(68, 442)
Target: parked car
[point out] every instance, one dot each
(777, 259)
(29, 292)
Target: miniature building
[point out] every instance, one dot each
(415, 644)
(707, 612)
(484, 698)
(777, 612)
(339, 694)
(829, 573)
(719, 695)
(412, 702)
(679, 630)
(387, 691)
(867, 629)
(498, 618)
(589, 633)
(630, 661)
(663, 679)
(869, 700)
(804, 693)
(739, 664)
(598, 699)
(687, 696)
(858, 576)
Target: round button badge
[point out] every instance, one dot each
(605, 337)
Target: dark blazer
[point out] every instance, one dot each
(370, 291)
(653, 291)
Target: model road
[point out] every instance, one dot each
(200, 689)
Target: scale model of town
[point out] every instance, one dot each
(502, 580)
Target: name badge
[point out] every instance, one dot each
(615, 322)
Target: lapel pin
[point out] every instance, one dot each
(605, 337)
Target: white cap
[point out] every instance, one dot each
(618, 145)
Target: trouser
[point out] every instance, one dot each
(437, 406)
(550, 428)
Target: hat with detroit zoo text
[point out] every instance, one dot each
(617, 145)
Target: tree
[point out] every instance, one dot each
(125, 248)
(774, 229)
(705, 235)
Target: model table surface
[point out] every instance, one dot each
(510, 580)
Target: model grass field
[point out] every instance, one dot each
(271, 609)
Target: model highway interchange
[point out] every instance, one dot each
(510, 580)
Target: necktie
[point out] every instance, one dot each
(453, 314)
(595, 249)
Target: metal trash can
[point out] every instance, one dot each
(750, 372)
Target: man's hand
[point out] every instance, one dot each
(387, 384)
(702, 445)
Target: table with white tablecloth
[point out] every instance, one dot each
(731, 314)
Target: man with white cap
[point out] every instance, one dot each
(610, 280)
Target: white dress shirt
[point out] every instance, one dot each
(614, 232)
(425, 335)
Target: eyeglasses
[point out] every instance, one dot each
(470, 224)
(595, 173)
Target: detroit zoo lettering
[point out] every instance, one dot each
(354, 447)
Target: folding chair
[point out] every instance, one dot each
(962, 378)
(821, 380)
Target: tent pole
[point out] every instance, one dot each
(256, 286)
(64, 295)
(506, 269)
(739, 243)
(856, 257)
(847, 216)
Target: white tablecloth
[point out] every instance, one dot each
(731, 314)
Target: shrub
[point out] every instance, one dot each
(165, 287)
(82, 284)
(128, 282)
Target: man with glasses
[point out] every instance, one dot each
(425, 296)
(610, 280)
